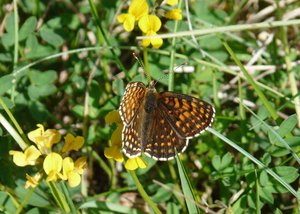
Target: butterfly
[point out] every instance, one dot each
(160, 124)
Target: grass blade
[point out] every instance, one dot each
(186, 188)
(252, 82)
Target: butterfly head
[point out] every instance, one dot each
(151, 86)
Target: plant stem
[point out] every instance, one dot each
(143, 192)
(15, 122)
(12, 132)
(224, 29)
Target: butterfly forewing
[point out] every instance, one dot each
(163, 140)
(187, 115)
(131, 101)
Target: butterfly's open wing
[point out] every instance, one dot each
(162, 139)
(131, 138)
(187, 115)
(131, 101)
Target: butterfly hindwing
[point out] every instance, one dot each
(188, 115)
(131, 138)
(163, 140)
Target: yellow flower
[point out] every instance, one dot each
(32, 181)
(174, 14)
(150, 24)
(53, 163)
(80, 164)
(72, 172)
(172, 2)
(72, 143)
(134, 163)
(137, 9)
(113, 117)
(36, 133)
(116, 137)
(29, 157)
(52, 166)
(114, 151)
(44, 139)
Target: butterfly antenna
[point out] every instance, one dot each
(166, 75)
(138, 59)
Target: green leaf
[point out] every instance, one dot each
(42, 78)
(37, 91)
(263, 178)
(210, 43)
(266, 159)
(272, 137)
(262, 114)
(10, 23)
(6, 83)
(287, 173)
(51, 37)
(38, 198)
(157, 73)
(78, 110)
(287, 125)
(5, 57)
(40, 51)
(226, 160)
(38, 111)
(220, 55)
(280, 150)
(31, 44)
(27, 28)
(118, 87)
(278, 211)
(163, 194)
(266, 194)
(7, 102)
(220, 164)
(56, 22)
(21, 100)
(8, 39)
(216, 162)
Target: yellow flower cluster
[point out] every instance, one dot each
(54, 165)
(114, 151)
(149, 24)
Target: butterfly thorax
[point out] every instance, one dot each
(150, 102)
(150, 98)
